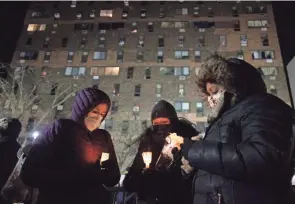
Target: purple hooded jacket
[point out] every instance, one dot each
(64, 162)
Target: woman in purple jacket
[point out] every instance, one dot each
(64, 162)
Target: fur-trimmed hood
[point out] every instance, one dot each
(237, 76)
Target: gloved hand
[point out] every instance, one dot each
(108, 165)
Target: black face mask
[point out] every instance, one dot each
(160, 132)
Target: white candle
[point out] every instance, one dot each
(147, 159)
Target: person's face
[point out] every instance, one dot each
(95, 116)
(161, 128)
(215, 92)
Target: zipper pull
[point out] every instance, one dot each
(219, 198)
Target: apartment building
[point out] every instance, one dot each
(141, 52)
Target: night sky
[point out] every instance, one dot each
(12, 16)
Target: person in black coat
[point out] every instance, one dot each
(9, 132)
(246, 155)
(65, 160)
(160, 184)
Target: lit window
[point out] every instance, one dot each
(179, 24)
(160, 56)
(167, 71)
(181, 54)
(99, 55)
(75, 71)
(257, 23)
(269, 71)
(56, 16)
(266, 54)
(199, 109)
(112, 71)
(198, 56)
(36, 27)
(244, 40)
(106, 13)
(137, 90)
(79, 15)
(30, 55)
(182, 106)
(197, 69)
(158, 90)
(222, 40)
(181, 89)
(181, 71)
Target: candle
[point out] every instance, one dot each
(147, 159)
(104, 157)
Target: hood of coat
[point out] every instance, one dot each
(164, 109)
(86, 100)
(237, 76)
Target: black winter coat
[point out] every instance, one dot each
(64, 164)
(169, 187)
(245, 157)
(8, 158)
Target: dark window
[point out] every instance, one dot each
(150, 27)
(30, 125)
(161, 41)
(130, 72)
(115, 106)
(102, 41)
(84, 57)
(144, 125)
(210, 12)
(46, 42)
(110, 26)
(70, 56)
(237, 26)
(125, 126)
(64, 42)
(116, 26)
(125, 13)
(83, 26)
(143, 13)
(116, 90)
(137, 90)
(83, 42)
(29, 41)
(120, 56)
(139, 56)
(47, 56)
(264, 40)
(109, 124)
(201, 41)
(29, 55)
(235, 12)
(53, 89)
(162, 13)
(148, 73)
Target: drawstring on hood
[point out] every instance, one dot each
(86, 100)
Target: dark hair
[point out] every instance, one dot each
(237, 76)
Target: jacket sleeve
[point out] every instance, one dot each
(113, 174)
(266, 142)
